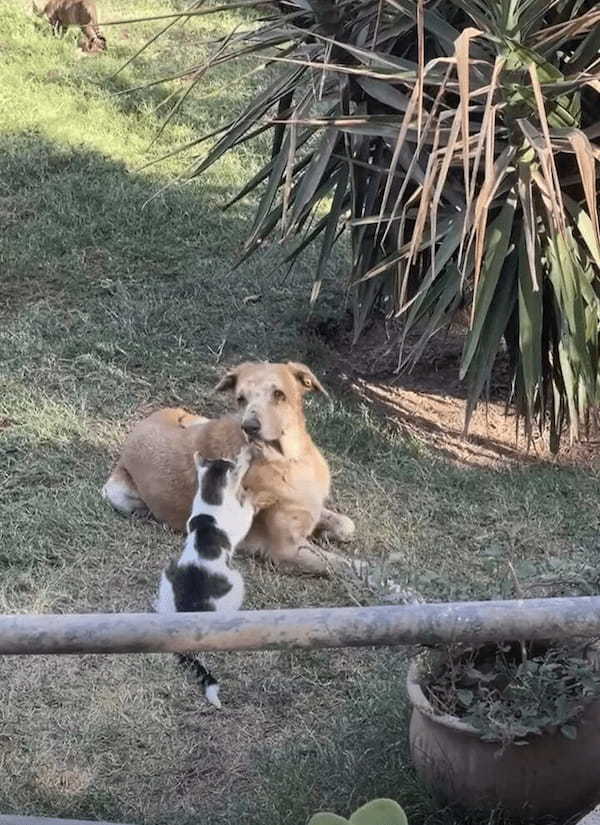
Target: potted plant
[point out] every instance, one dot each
(515, 726)
(376, 812)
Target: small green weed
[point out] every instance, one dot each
(511, 692)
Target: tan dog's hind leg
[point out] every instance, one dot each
(309, 558)
(122, 493)
(188, 420)
(286, 533)
(335, 526)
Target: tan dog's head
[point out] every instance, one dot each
(269, 398)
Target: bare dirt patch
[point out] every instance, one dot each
(428, 402)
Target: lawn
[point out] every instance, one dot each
(112, 304)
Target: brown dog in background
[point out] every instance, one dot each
(64, 13)
(289, 480)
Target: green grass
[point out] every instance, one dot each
(110, 307)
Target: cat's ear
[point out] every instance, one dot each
(199, 461)
(243, 460)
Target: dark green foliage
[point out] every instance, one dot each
(512, 692)
(457, 142)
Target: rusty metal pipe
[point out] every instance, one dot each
(471, 622)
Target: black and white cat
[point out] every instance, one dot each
(203, 579)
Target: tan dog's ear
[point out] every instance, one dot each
(228, 381)
(306, 377)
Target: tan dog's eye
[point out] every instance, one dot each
(278, 395)
(241, 399)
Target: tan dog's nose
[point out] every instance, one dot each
(251, 426)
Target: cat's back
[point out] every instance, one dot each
(202, 578)
(194, 588)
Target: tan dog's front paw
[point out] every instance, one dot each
(336, 526)
(345, 528)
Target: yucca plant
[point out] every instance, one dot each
(458, 143)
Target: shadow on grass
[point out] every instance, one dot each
(110, 310)
(135, 306)
(95, 282)
(71, 217)
(118, 310)
(222, 93)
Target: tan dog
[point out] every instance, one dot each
(289, 480)
(64, 13)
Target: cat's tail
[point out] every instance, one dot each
(209, 684)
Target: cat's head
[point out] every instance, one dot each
(219, 477)
(221, 494)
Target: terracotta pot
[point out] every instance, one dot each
(549, 776)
